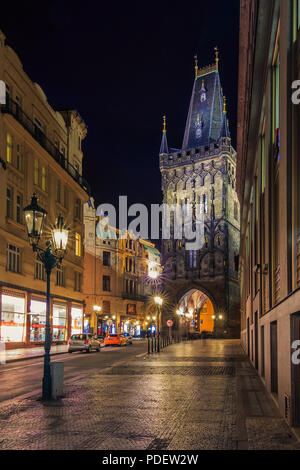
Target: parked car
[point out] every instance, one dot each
(115, 339)
(101, 338)
(128, 338)
(83, 342)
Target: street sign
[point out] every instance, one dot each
(170, 323)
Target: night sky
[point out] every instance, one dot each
(122, 65)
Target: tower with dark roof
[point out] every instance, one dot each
(204, 173)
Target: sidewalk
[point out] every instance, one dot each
(200, 395)
(12, 355)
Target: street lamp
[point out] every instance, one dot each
(159, 301)
(35, 219)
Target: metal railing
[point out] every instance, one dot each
(155, 343)
(14, 109)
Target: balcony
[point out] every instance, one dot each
(12, 108)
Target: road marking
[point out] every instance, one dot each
(141, 355)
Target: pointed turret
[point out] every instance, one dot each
(225, 132)
(206, 113)
(164, 150)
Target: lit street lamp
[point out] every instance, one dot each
(35, 219)
(159, 301)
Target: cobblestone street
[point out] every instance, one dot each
(193, 396)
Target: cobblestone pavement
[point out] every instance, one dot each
(193, 396)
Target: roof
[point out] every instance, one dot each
(207, 117)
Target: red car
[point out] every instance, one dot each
(115, 339)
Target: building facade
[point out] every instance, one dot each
(40, 151)
(203, 173)
(268, 175)
(119, 279)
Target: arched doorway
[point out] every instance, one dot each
(197, 312)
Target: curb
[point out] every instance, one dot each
(19, 359)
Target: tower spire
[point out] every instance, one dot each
(217, 57)
(225, 109)
(196, 65)
(164, 150)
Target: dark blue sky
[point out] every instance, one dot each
(123, 65)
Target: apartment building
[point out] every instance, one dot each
(268, 177)
(40, 152)
(120, 277)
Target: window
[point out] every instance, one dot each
(19, 157)
(204, 204)
(19, 209)
(60, 276)
(18, 102)
(9, 144)
(36, 172)
(106, 283)
(77, 244)
(58, 191)
(276, 103)
(8, 93)
(78, 281)
(78, 209)
(236, 212)
(13, 259)
(106, 258)
(44, 177)
(296, 19)
(39, 271)
(193, 259)
(9, 202)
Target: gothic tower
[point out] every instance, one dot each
(204, 281)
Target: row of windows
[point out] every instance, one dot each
(39, 175)
(13, 264)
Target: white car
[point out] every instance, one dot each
(83, 342)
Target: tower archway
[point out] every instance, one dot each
(197, 311)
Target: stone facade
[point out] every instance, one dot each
(40, 151)
(205, 175)
(119, 277)
(268, 189)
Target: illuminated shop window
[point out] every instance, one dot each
(12, 325)
(37, 321)
(76, 320)
(59, 323)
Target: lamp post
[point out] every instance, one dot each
(35, 219)
(159, 301)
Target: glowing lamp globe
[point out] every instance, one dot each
(60, 234)
(34, 220)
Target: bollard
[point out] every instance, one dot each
(152, 343)
(148, 345)
(155, 344)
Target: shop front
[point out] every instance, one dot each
(37, 320)
(59, 322)
(76, 320)
(13, 317)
